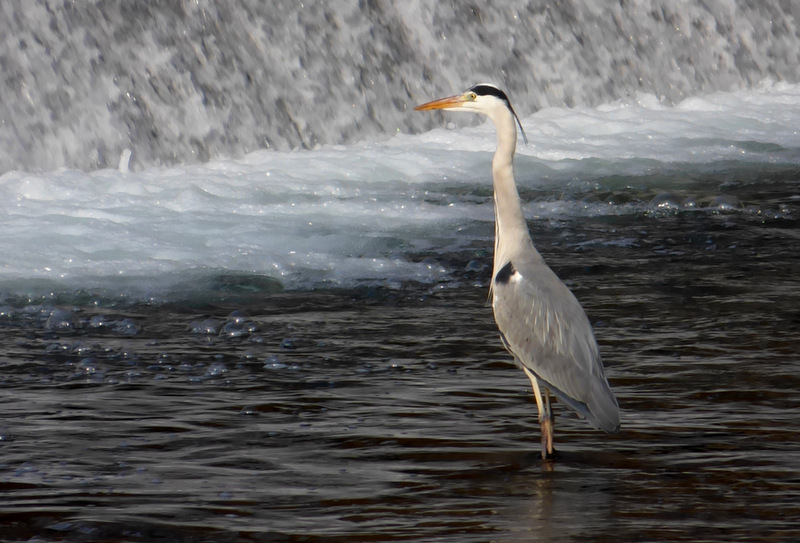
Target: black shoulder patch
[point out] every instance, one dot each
(505, 273)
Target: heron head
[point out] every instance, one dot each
(483, 98)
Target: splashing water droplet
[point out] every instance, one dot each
(233, 329)
(249, 411)
(273, 363)
(61, 319)
(126, 327)
(216, 369)
(666, 201)
(726, 202)
(239, 316)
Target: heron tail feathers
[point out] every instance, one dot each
(600, 409)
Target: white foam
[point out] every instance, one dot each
(361, 213)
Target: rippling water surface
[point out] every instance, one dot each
(207, 336)
(395, 415)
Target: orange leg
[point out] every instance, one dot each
(546, 417)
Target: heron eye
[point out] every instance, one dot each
(472, 96)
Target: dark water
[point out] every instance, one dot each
(372, 415)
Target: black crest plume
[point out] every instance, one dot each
(485, 89)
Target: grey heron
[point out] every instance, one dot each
(541, 322)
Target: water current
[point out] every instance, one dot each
(375, 414)
(243, 286)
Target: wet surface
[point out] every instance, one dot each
(395, 415)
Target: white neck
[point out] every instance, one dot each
(510, 225)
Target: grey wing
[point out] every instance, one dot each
(546, 329)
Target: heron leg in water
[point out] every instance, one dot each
(546, 417)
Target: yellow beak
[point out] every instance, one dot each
(442, 103)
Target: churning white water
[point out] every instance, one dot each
(380, 212)
(156, 387)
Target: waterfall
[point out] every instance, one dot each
(183, 81)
